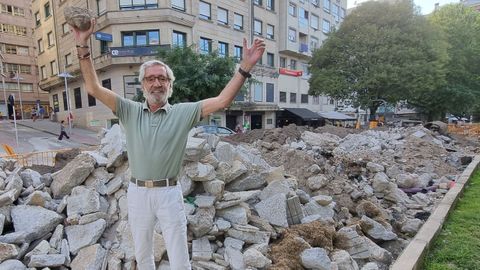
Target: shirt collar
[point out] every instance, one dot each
(165, 107)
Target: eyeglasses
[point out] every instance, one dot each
(161, 79)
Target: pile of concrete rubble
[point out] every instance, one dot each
(313, 202)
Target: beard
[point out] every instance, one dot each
(156, 96)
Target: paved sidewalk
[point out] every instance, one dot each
(81, 135)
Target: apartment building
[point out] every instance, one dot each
(17, 60)
(472, 3)
(131, 32)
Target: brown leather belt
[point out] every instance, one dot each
(155, 183)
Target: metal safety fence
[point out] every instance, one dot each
(46, 158)
(465, 129)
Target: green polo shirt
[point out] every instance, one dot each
(156, 140)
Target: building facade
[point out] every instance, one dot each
(472, 3)
(17, 60)
(131, 32)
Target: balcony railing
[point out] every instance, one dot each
(303, 47)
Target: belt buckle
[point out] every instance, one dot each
(149, 184)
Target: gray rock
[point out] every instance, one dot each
(343, 260)
(315, 258)
(49, 260)
(34, 221)
(274, 209)
(90, 258)
(7, 251)
(72, 175)
(12, 265)
(78, 17)
(201, 249)
(375, 230)
(80, 236)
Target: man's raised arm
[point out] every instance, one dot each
(90, 78)
(249, 59)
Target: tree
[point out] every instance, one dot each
(382, 51)
(197, 76)
(461, 27)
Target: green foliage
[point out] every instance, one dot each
(458, 245)
(461, 27)
(381, 51)
(197, 76)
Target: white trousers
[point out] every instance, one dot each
(165, 204)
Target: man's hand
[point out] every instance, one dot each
(81, 37)
(253, 54)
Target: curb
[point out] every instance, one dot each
(413, 255)
(39, 129)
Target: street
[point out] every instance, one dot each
(41, 136)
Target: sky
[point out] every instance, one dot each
(425, 5)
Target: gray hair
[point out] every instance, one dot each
(150, 63)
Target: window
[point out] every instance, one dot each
(315, 2)
(326, 26)
(107, 83)
(304, 98)
(270, 31)
(270, 59)
(237, 21)
(269, 121)
(314, 22)
(293, 64)
(37, 18)
(205, 45)
(292, 34)
(326, 5)
(342, 13)
(204, 10)
(138, 4)
(178, 4)
(222, 16)
(55, 103)
(22, 50)
(238, 52)
(302, 17)
(335, 12)
(283, 62)
(43, 72)
(101, 6)
(91, 101)
(53, 67)
(40, 46)
(257, 2)
(103, 46)
(293, 97)
(65, 104)
(283, 96)
(270, 92)
(292, 9)
(271, 5)
(257, 27)
(316, 100)
(140, 38)
(179, 39)
(46, 8)
(313, 43)
(222, 49)
(78, 98)
(51, 41)
(65, 28)
(68, 59)
(258, 92)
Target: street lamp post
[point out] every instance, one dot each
(3, 85)
(67, 75)
(18, 78)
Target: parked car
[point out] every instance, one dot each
(213, 129)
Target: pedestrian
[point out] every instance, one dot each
(62, 131)
(156, 134)
(41, 113)
(34, 114)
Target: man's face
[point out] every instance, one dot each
(155, 85)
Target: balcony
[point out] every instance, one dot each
(303, 48)
(157, 15)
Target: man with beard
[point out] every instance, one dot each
(156, 135)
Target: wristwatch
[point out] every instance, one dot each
(244, 73)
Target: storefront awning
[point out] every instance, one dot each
(303, 113)
(336, 116)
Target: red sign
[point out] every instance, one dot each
(290, 72)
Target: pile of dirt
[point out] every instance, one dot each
(285, 253)
(278, 135)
